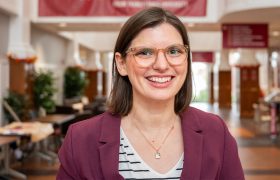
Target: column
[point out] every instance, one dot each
(211, 96)
(94, 71)
(20, 52)
(224, 80)
(247, 68)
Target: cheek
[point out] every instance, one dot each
(134, 69)
(183, 70)
(134, 72)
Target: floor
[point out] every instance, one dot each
(259, 154)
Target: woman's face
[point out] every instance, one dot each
(159, 80)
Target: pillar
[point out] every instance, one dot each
(211, 98)
(224, 80)
(95, 75)
(248, 77)
(20, 54)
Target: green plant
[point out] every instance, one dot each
(18, 104)
(43, 91)
(75, 81)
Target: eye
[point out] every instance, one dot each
(175, 51)
(144, 52)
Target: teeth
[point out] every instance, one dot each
(160, 79)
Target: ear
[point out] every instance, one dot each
(121, 64)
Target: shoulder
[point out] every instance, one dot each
(204, 121)
(92, 127)
(210, 126)
(91, 123)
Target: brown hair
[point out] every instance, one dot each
(121, 98)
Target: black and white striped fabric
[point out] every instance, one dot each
(131, 165)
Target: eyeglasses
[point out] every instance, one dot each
(146, 56)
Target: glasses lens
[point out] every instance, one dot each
(144, 53)
(176, 54)
(144, 56)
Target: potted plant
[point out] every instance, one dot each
(75, 81)
(17, 102)
(43, 91)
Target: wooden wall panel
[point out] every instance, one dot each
(211, 88)
(91, 89)
(17, 77)
(249, 90)
(104, 83)
(224, 93)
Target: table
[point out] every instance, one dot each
(58, 121)
(38, 133)
(5, 144)
(36, 130)
(55, 118)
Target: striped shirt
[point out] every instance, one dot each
(132, 166)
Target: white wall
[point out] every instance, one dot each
(98, 41)
(4, 33)
(51, 50)
(4, 64)
(262, 57)
(239, 5)
(205, 41)
(10, 6)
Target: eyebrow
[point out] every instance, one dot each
(156, 47)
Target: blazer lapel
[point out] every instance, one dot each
(193, 145)
(109, 150)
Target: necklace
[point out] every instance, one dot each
(157, 154)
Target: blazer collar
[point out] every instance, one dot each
(110, 140)
(193, 144)
(109, 150)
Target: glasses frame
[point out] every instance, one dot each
(164, 50)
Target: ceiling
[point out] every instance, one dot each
(264, 15)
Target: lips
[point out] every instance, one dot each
(160, 80)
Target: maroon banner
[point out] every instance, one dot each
(202, 57)
(245, 35)
(118, 7)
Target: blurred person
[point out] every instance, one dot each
(149, 130)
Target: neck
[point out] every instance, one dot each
(152, 115)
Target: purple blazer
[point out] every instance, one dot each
(90, 150)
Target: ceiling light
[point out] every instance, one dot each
(190, 24)
(275, 33)
(62, 24)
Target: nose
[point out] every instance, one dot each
(161, 62)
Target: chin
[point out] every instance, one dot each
(159, 97)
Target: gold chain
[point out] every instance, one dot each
(157, 154)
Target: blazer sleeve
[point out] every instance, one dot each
(67, 169)
(231, 166)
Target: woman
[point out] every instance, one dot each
(150, 132)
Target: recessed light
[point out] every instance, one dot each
(190, 24)
(275, 33)
(62, 24)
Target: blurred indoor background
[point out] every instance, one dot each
(56, 62)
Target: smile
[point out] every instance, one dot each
(160, 79)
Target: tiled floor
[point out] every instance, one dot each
(260, 156)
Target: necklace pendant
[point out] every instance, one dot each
(157, 155)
